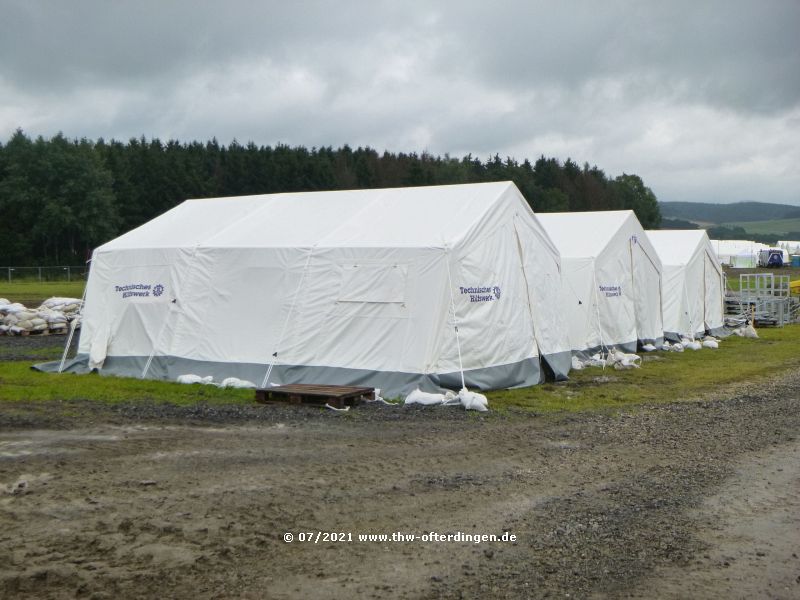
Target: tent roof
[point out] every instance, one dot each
(394, 217)
(583, 234)
(736, 247)
(677, 246)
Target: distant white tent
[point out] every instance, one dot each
(393, 288)
(739, 254)
(612, 279)
(790, 248)
(693, 282)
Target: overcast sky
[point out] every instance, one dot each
(701, 99)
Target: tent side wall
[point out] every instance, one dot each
(714, 288)
(541, 269)
(646, 278)
(611, 280)
(338, 315)
(694, 286)
(615, 293)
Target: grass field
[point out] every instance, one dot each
(777, 227)
(664, 377)
(31, 293)
(19, 383)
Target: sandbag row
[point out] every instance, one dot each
(55, 315)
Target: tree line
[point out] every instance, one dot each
(60, 198)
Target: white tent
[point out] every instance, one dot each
(791, 246)
(347, 287)
(739, 254)
(611, 279)
(693, 282)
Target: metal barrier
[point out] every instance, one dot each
(764, 297)
(57, 273)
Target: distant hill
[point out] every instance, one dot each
(738, 212)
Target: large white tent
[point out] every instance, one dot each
(611, 291)
(693, 282)
(358, 287)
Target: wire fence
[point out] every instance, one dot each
(42, 274)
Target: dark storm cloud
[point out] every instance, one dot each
(741, 54)
(701, 99)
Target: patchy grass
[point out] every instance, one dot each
(18, 382)
(53, 352)
(664, 377)
(33, 293)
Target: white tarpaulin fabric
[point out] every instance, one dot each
(347, 287)
(694, 288)
(611, 279)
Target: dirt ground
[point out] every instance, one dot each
(685, 500)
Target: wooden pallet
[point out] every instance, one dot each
(337, 396)
(36, 332)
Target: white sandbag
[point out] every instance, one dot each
(666, 346)
(191, 378)
(451, 398)
(577, 364)
(424, 398)
(61, 301)
(233, 382)
(4, 301)
(714, 344)
(677, 347)
(749, 332)
(648, 348)
(693, 345)
(739, 332)
(14, 308)
(596, 360)
(473, 400)
(621, 360)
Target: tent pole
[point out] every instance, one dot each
(268, 374)
(72, 326)
(455, 317)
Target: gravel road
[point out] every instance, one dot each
(684, 500)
